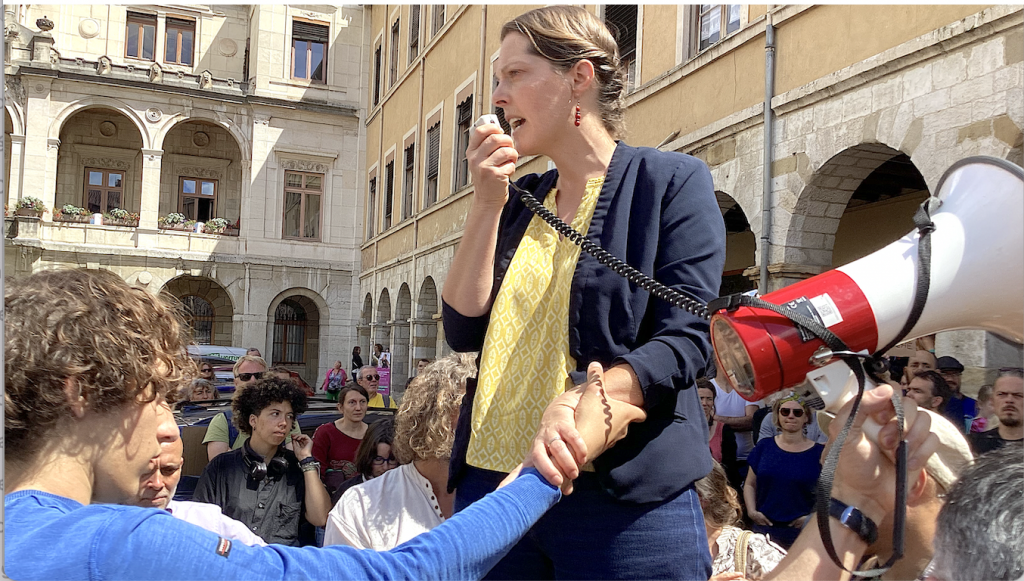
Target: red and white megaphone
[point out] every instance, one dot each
(977, 282)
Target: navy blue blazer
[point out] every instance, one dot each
(657, 211)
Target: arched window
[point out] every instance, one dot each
(289, 334)
(200, 316)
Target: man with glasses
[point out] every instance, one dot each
(1008, 401)
(222, 435)
(369, 379)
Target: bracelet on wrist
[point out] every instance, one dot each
(853, 519)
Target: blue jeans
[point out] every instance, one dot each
(591, 535)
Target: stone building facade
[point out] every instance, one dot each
(870, 105)
(247, 113)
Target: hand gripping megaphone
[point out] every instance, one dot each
(977, 282)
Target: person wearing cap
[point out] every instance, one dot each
(960, 409)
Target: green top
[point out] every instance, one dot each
(217, 431)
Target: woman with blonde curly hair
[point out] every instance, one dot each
(402, 503)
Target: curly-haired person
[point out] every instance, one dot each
(263, 484)
(387, 511)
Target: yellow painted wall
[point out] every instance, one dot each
(755, 11)
(443, 222)
(828, 38)
(395, 244)
(733, 82)
(863, 231)
(659, 55)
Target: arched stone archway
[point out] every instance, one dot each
(201, 173)
(382, 330)
(864, 197)
(424, 326)
(740, 247)
(208, 118)
(295, 318)
(57, 126)
(400, 368)
(363, 330)
(214, 328)
(99, 165)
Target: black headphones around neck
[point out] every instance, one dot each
(257, 469)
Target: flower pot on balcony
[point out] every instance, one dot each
(125, 223)
(29, 212)
(74, 218)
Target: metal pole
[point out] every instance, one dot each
(766, 200)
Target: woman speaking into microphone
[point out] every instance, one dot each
(540, 313)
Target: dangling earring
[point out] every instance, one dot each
(577, 113)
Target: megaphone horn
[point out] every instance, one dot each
(977, 282)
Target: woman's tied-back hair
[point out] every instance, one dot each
(565, 35)
(718, 500)
(260, 395)
(114, 342)
(423, 425)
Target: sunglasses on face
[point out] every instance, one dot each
(380, 460)
(797, 413)
(371, 377)
(249, 376)
(206, 370)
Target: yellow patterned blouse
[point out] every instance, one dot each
(525, 361)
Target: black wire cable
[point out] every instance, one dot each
(666, 293)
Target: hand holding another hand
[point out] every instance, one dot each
(577, 427)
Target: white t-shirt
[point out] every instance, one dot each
(384, 512)
(209, 517)
(732, 405)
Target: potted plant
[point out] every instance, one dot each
(216, 226)
(121, 217)
(71, 213)
(172, 221)
(189, 225)
(31, 206)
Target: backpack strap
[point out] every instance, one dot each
(387, 400)
(232, 430)
(742, 541)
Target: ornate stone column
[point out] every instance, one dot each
(149, 194)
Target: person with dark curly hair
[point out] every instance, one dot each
(262, 484)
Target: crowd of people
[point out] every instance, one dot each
(576, 432)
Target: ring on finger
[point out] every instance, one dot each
(553, 440)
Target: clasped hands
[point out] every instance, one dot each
(578, 426)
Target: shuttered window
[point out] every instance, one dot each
(414, 31)
(309, 51)
(371, 210)
(394, 54)
(464, 119)
(389, 193)
(433, 163)
(407, 183)
(438, 20)
(376, 76)
(622, 20)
